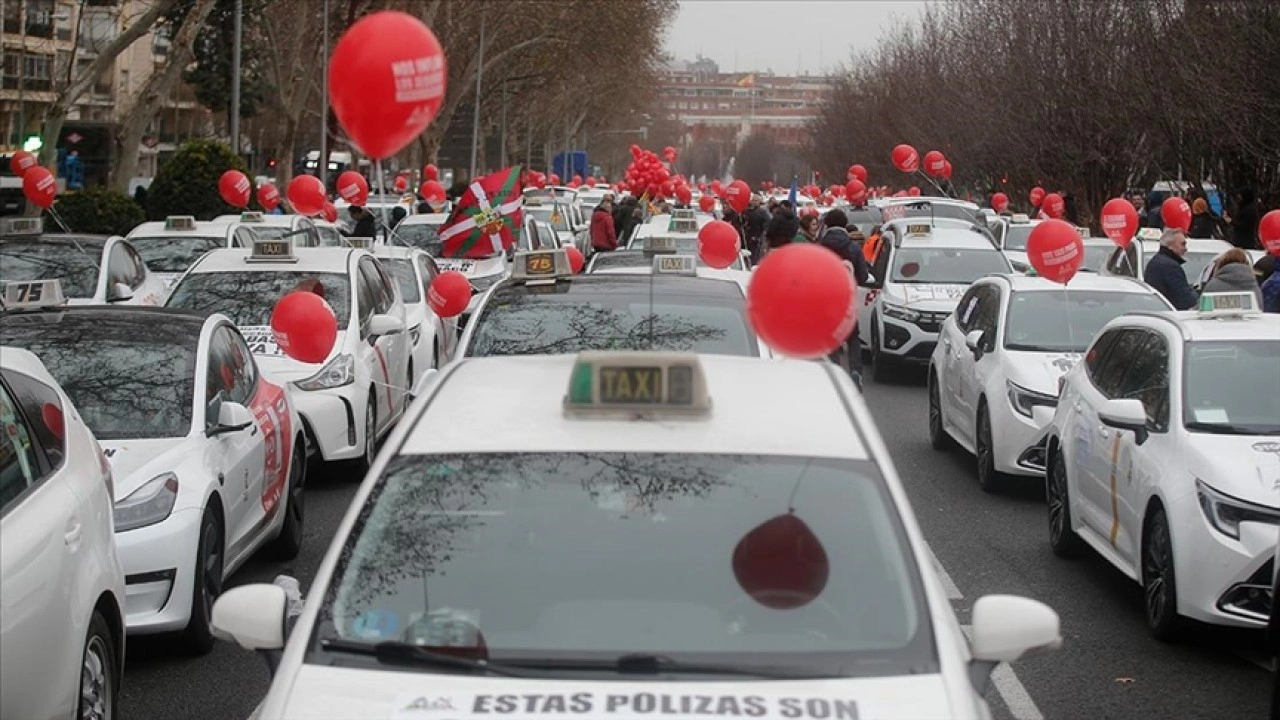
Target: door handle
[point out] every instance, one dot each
(1079, 407)
(72, 536)
(254, 431)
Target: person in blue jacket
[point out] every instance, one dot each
(1164, 272)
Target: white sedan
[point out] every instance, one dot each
(993, 377)
(206, 451)
(433, 339)
(628, 544)
(90, 269)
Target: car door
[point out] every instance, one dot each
(393, 348)
(966, 387)
(955, 354)
(369, 354)
(41, 553)
(238, 456)
(867, 295)
(446, 328)
(270, 408)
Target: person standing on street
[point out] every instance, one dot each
(1244, 221)
(1203, 224)
(1233, 273)
(757, 218)
(1165, 273)
(364, 224)
(782, 229)
(603, 236)
(836, 239)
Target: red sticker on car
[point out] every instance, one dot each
(271, 410)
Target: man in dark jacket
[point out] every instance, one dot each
(836, 239)
(1164, 272)
(755, 221)
(364, 224)
(603, 236)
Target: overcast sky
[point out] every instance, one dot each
(785, 35)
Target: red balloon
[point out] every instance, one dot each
(1176, 213)
(554, 179)
(386, 81)
(999, 202)
(1054, 206)
(707, 203)
(946, 169)
(268, 197)
(856, 191)
(717, 188)
(913, 191)
(801, 300)
(781, 564)
(576, 261)
(40, 186)
(401, 183)
(1269, 232)
(591, 181)
(235, 188)
(353, 188)
(738, 195)
(859, 173)
(934, 163)
(51, 416)
(449, 294)
(702, 187)
(684, 194)
(718, 244)
(1055, 250)
(430, 172)
(21, 162)
(432, 191)
(1036, 196)
(1119, 221)
(304, 326)
(635, 151)
(306, 195)
(329, 212)
(906, 159)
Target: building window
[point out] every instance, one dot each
(40, 18)
(160, 40)
(97, 29)
(37, 71)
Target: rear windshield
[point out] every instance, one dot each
(1066, 321)
(175, 254)
(419, 235)
(248, 298)
(78, 271)
(625, 259)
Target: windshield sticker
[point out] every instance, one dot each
(446, 264)
(620, 705)
(261, 340)
(916, 293)
(375, 625)
(1216, 416)
(1063, 363)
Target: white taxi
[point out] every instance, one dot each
(665, 543)
(299, 229)
(993, 377)
(676, 233)
(921, 271)
(482, 273)
(433, 339)
(61, 583)
(363, 386)
(1164, 457)
(90, 269)
(1132, 261)
(207, 452)
(554, 213)
(421, 231)
(328, 233)
(169, 247)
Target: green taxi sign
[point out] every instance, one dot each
(271, 251)
(683, 225)
(659, 244)
(675, 265)
(251, 217)
(21, 227)
(360, 243)
(1232, 303)
(637, 382)
(180, 222)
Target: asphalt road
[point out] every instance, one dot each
(1109, 666)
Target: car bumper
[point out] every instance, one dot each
(159, 572)
(334, 420)
(1222, 580)
(1014, 434)
(906, 342)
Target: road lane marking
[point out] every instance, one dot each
(1012, 691)
(949, 585)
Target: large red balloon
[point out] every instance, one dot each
(999, 202)
(432, 191)
(329, 212)
(781, 564)
(304, 326)
(801, 300)
(235, 188)
(1036, 196)
(1055, 250)
(449, 294)
(934, 163)
(707, 203)
(906, 159)
(1054, 206)
(856, 191)
(859, 173)
(1269, 232)
(430, 172)
(1176, 213)
(576, 261)
(306, 194)
(353, 188)
(268, 197)
(717, 188)
(684, 194)
(738, 195)
(386, 81)
(40, 186)
(718, 244)
(21, 162)
(1119, 221)
(591, 181)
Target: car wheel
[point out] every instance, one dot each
(988, 479)
(207, 585)
(98, 673)
(879, 363)
(1062, 538)
(1159, 583)
(938, 436)
(289, 543)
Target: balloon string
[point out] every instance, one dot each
(382, 191)
(791, 499)
(58, 219)
(1066, 307)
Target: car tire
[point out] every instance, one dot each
(1063, 540)
(289, 543)
(98, 672)
(1159, 581)
(989, 479)
(879, 363)
(938, 437)
(197, 639)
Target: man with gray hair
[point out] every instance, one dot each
(1164, 272)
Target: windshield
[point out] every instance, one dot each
(946, 265)
(1095, 257)
(1197, 262)
(329, 236)
(1015, 237)
(508, 550)
(419, 235)
(624, 259)
(1219, 395)
(125, 381)
(554, 216)
(1046, 321)
(174, 254)
(864, 219)
(248, 298)
(933, 210)
(78, 271)
(402, 270)
(518, 322)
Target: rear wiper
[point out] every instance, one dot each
(644, 664)
(1229, 429)
(401, 652)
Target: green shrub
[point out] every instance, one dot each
(97, 210)
(188, 183)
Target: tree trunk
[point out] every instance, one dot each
(288, 138)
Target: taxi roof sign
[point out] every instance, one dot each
(643, 383)
(1228, 304)
(683, 213)
(251, 217)
(1150, 233)
(180, 222)
(534, 267)
(659, 243)
(360, 243)
(919, 229)
(683, 224)
(20, 226)
(271, 251)
(1020, 218)
(33, 294)
(675, 265)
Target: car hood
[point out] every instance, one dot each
(473, 268)
(272, 360)
(1242, 466)
(928, 296)
(1039, 371)
(128, 457)
(322, 692)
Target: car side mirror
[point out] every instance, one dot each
(974, 341)
(872, 283)
(1125, 414)
(253, 616)
(380, 325)
(425, 382)
(232, 417)
(119, 292)
(1007, 628)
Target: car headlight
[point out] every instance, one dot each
(902, 313)
(415, 334)
(480, 284)
(147, 505)
(1023, 400)
(1225, 513)
(337, 372)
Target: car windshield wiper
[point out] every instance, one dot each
(645, 664)
(1229, 429)
(400, 652)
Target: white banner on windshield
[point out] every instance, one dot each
(622, 705)
(261, 340)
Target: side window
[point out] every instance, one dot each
(1093, 358)
(124, 266)
(365, 301)
(984, 314)
(427, 267)
(231, 375)
(967, 307)
(381, 291)
(43, 408)
(1110, 375)
(881, 268)
(1147, 378)
(19, 466)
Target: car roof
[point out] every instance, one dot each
(425, 219)
(399, 252)
(1194, 326)
(888, 202)
(286, 220)
(1082, 281)
(318, 259)
(949, 237)
(204, 228)
(741, 420)
(58, 239)
(162, 323)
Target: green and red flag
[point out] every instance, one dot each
(487, 219)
